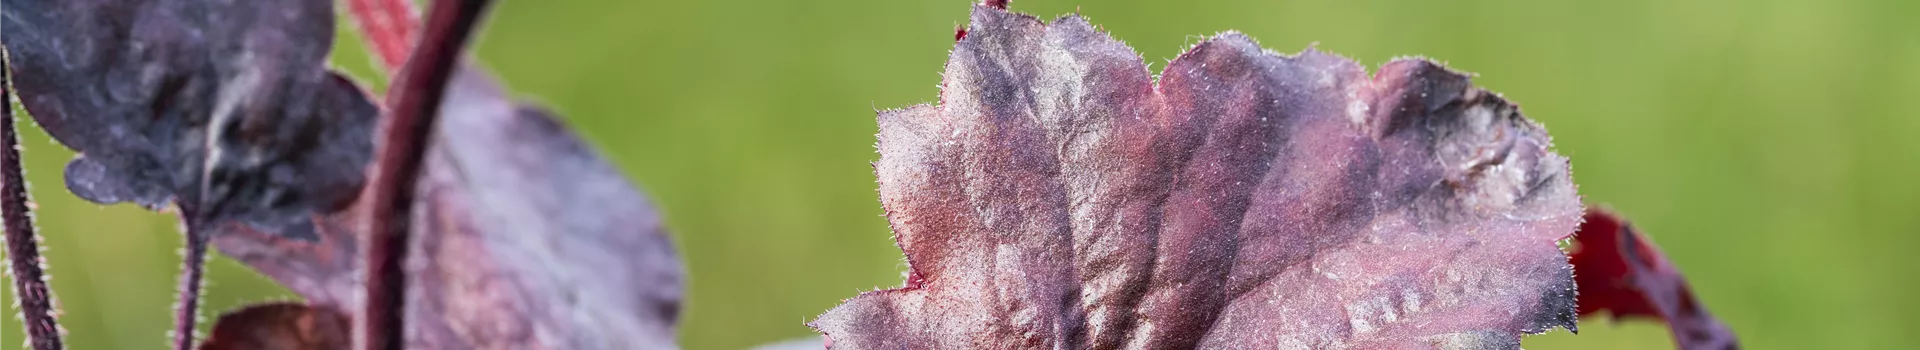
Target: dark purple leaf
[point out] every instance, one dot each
(138, 87)
(525, 238)
(1620, 271)
(1059, 197)
(222, 109)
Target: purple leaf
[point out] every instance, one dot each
(1059, 197)
(525, 239)
(573, 256)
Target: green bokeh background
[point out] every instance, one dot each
(1768, 146)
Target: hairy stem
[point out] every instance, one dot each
(415, 103)
(186, 311)
(388, 27)
(39, 311)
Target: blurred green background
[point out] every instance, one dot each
(1768, 146)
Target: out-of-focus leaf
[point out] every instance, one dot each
(527, 239)
(280, 326)
(1059, 197)
(1620, 271)
(139, 86)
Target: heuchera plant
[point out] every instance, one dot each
(1058, 195)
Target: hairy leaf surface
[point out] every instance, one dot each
(1058, 196)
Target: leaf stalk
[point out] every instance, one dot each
(38, 307)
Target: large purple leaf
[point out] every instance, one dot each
(1059, 197)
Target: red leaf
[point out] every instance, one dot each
(1621, 271)
(1059, 197)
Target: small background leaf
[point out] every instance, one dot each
(1624, 274)
(280, 326)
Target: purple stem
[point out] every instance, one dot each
(35, 298)
(186, 312)
(415, 102)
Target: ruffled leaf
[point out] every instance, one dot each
(1060, 197)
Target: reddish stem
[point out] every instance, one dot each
(388, 27)
(39, 310)
(415, 100)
